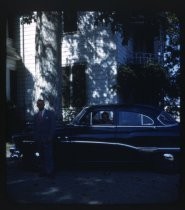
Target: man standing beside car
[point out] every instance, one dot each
(44, 128)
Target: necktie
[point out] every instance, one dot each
(40, 116)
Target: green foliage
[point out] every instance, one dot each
(118, 21)
(31, 16)
(172, 27)
(166, 21)
(152, 80)
(154, 76)
(126, 75)
(28, 18)
(147, 84)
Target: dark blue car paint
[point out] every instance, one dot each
(78, 142)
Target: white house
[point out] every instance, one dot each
(90, 57)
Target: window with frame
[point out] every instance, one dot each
(126, 118)
(86, 119)
(70, 21)
(102, 117)
(74, 85)
(147, 120)
(166, 119)
(134, 119)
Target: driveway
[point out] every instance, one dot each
(92, 185)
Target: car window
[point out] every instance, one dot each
(102, 117)
(85, 120)
(166, 119)
(129, 118)
(147, 120)
(78, 116)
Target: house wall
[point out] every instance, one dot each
(25, 45)
(124, 52)
(96, 47)
(20, 71)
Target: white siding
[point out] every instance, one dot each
(96, 47)
(124, 52)
(27, 52)
(20, 70)
(121, 51)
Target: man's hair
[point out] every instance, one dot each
(105, 113)
(40, 100)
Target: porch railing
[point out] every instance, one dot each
(143, 58)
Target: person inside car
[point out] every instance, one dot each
(105, 118)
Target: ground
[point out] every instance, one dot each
(92, 185)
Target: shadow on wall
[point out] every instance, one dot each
(48, 60)
(20, 111)
(94, 46)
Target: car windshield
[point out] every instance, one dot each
(78, 116)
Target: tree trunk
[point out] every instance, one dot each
(48, 60)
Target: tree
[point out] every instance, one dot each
(142, 84)
(166, 21)
(172, 59)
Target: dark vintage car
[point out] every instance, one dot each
(133, 133)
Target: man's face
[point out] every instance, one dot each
(40, 105)
(105, 116)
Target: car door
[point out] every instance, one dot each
(90, 139)
(132, 132)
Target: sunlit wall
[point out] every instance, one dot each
(96, 47)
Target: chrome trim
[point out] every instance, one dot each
(147, 149)
(28, 141)
(90, 118)
(143, 115)
(128, 126)
(144, 149)
(100, 142)
(137, 126)
(169, 157)
(164, 123)
(153, 149)
(103, 126)
(66, 140)
(146, 126)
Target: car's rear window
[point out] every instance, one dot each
(166, 119)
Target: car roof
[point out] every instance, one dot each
(124, 106)
(134, 107)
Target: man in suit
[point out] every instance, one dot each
(44, 128)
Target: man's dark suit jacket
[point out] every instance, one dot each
(44, 129)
